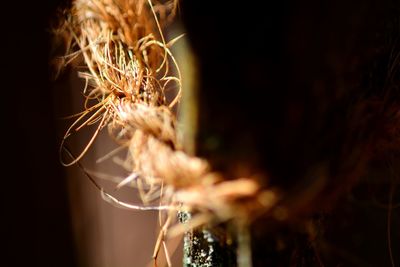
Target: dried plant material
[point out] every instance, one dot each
(129, 68)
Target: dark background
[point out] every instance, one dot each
(35, 222)
(306, 92)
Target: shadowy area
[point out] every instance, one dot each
(306, 93)
(35, 220)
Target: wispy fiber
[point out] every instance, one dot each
(129, 68)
